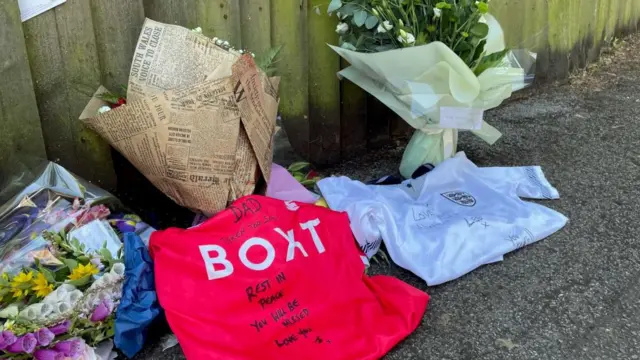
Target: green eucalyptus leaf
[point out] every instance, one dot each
(371, 22)
(334, 5)
(348, 9)
(359, 17)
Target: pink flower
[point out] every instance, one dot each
(44, 336)
(70, 348)
(101, 312)
(61, 328)
(48, 354)
(24, 344)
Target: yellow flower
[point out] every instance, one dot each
(83, 270)
(8, 325)
(5, 276)
(41, 286)
(21, 283)
(18, 293)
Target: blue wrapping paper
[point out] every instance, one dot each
(139, 305)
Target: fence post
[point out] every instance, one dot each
(324, 86)
(21, 135)
(289, 30)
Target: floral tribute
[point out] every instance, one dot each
(59, 292)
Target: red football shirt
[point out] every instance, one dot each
(267, 279)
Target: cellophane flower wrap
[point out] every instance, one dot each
(61, 266)
(437, 64)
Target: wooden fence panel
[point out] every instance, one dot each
(289, 30)
(255, 24)
(66, 71)
(20, 132)
(117, 25)
(221, 19)
(178, 12)
(324, 86)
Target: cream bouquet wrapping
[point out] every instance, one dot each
(438, 65)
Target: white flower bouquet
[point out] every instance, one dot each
(438, 65)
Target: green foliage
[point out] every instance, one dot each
(300, 171)
(380, 25)
(267, 61)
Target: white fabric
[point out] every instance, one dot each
(451, 220)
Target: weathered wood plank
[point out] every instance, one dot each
(81, 67)
(289, 30)
(220, 18)
(353, 118)
(47, 70)
(65, 67)
(117, 25)
(324, 86)
(178, 12)
(20, 132)
(255, 23)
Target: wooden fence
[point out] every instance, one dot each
(51, 64)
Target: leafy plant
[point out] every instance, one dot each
(381, 25)
(301, 172)
(267, 60)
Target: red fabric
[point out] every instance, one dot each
(321, 306)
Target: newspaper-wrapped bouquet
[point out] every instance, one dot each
(438, 65)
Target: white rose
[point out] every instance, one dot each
(437, 12)
(342, 28)
(385, 26)
(409, 39)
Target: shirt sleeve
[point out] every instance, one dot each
(359, 202)
(527, 181)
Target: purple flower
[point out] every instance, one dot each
(48, 354)
(24, 344)
(61, 328)
(101, 312)
(70, 348)
(44, 336)
(7, 338)
(125, 226)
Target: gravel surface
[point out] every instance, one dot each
(576, 294)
